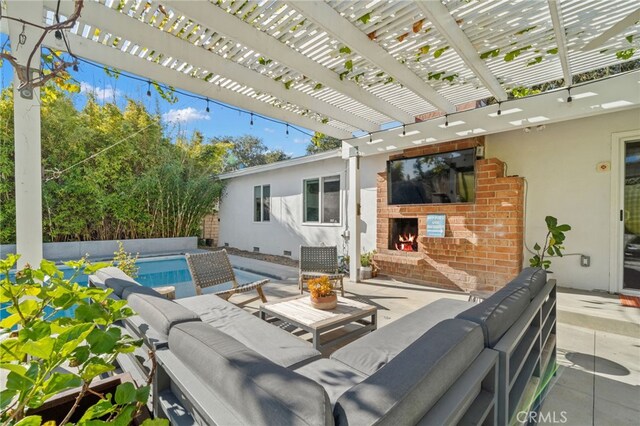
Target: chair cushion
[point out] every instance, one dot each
(115, 279)
(371, 352)
(499, 312)
(405, 389)
(334, 376)
(268, 340)
(533, 278)
(159, 312)
(260, 391)
(139, 289)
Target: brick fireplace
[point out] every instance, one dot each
(482, 246)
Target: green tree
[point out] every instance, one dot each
(249, 151)
(321, 142)
(112, 173)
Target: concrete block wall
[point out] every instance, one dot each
(482, 247)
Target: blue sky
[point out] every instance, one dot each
(185, 115)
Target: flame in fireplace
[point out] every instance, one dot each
(406, 242)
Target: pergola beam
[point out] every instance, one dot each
(222, 22)
(561, 39)
(113, 57)
(112, 21)
(342, 29)
(441, 18)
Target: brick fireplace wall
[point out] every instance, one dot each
(482, 247)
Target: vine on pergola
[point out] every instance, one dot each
(58, 66)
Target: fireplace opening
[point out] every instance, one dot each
(403, 234)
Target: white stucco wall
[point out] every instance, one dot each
(285, 230)
(559, 164)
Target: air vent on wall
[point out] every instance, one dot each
(287, 253)
(256, 249)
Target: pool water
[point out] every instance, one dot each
(164, 271)
(158, 272)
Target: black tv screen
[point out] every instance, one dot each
(439, 178)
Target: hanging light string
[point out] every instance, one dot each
(201, 98)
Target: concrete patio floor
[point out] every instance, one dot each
(598, 378)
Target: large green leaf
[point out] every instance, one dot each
(42, 348)
(10, 321)
(59, 382)
(97, 410)
(6, 397)
(94, 367)
(30, 421)
(125, 393)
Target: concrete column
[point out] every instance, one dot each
(353, 220)
(28, 164)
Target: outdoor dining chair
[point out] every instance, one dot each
(318, 261)
(213, 268)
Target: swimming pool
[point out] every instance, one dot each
(164, 271)
(173, 270)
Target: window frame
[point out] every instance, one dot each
(321, 180)
(262, 204)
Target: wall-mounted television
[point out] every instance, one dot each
(438, 178)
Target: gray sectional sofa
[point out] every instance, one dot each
(441, 364)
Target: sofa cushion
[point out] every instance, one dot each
(334, 376)
(268, 340)
(499, 312)
(371, 352)
(533, 278)
(260, 391)
(159, 312)
(405, 389)
(139, 289)
(115, 279)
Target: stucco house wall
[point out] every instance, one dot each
(286, 230)
(558, 163)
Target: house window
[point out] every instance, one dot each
(262, 203)
(322, 200)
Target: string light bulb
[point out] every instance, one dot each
(499, 108)
(149, 88)
(207, 109)
(569, 98)
(370, 138)
(287, 129)
(404, 130)
(251, 122)
(58, 34)
(446, 120)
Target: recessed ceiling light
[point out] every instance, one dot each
(390, 147)
(417, 141)
(471, 131)
(430, 140)
(537, 119)
(506, 112)
(517, 122)
(615, 104)
(451, 124)
(579, 96)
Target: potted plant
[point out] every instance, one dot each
(322, 294)
(552, 243)
(51, 322)
(366, 265)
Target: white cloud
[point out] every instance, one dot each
(101, 94)
(269, 130)
(185, 115)
(301, 141)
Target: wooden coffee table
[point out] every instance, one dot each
(298, 311)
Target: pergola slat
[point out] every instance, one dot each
(219, 19)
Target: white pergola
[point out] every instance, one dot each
(344, 68)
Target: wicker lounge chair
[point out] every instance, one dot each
(213, 268)
(320, 261)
